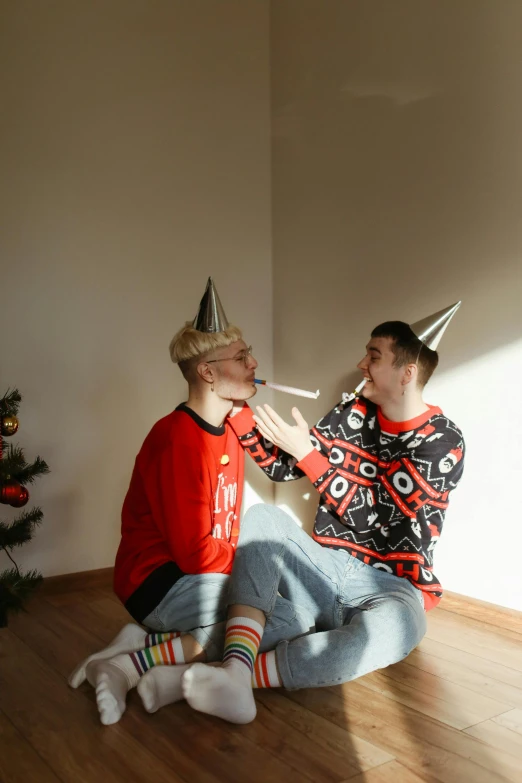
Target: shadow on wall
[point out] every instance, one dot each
(396, 185)
(395, 181)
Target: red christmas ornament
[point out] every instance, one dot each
(21, 500)
(9, 492)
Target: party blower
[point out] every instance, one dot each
(288, 389)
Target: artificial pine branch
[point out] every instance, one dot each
(31, 472)
(14, 466)
(10, 403)
(21, 529)
(12, 561)
(13, 459)
(14, 590)
(16, 586)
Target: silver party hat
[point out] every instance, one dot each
(431, 329)
(211, 316)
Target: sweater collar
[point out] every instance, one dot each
(204, 425)
(394, 427)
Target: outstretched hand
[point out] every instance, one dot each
(294, 439)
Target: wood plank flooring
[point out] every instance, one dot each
(451, 712)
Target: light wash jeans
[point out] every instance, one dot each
(365, 618)
(198, 603)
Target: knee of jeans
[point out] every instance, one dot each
(254, 516)
(304, 620)
(264, 522)
(299, 619)
(153, 622)
(403, 617)
(409, 621)
(268, 511)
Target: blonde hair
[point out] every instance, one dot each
(189, 344)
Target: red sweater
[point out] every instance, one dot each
(181, 512)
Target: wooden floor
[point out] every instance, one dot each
(451, 712)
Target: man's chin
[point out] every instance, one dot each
(245, 394)
(369, 392)
(251, 393)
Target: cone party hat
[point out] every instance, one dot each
(430, 330)
(211, 316)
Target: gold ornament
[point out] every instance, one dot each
(9, 425)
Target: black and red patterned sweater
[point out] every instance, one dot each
(384, 485)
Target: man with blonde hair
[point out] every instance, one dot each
(180, 521)
(384, 465)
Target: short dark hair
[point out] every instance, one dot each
(408, 349)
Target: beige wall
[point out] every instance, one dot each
(135, 160)
(397, 189)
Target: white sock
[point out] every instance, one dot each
(112, 679)
(266, 674)
(161, 685)
(226, 691)
(130, 638)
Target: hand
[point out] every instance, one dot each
(294, 439)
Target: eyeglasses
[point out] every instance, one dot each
(244, 356)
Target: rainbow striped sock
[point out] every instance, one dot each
(265, 674)
(152, 639)
(242, 640)
(166, 653)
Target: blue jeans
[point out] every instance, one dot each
(198, 603)
(365, 618)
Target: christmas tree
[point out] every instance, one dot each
(15, 473)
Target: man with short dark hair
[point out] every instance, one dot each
(406, 349)
(384, 465)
